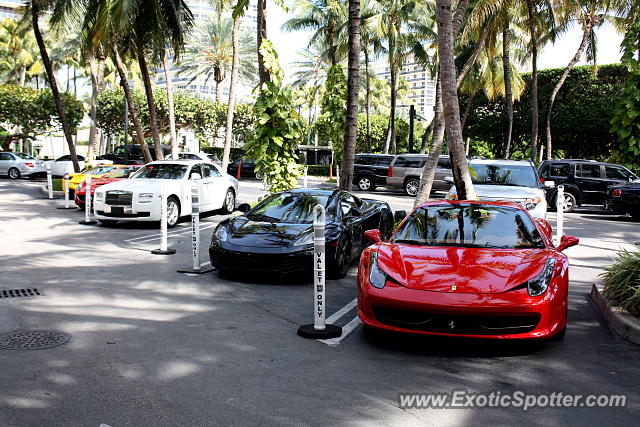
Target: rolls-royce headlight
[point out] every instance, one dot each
(99, 196)
(145, 197)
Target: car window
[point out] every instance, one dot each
(383, 160)
(162, 171)
(210, 171)
(291, 208)
(469, 226)
(6, 156)
(444, 163)
(513, 175)
(588, 171)
(363, 160)
(410, 162)
(616, 172)
(24, 156)
(560, 170)
(347, 202)
(196, 169)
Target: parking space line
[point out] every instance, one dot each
(344, 310)
(346, 330)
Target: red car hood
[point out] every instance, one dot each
(470, 270)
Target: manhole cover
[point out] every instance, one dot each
(32, 340)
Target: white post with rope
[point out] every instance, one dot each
(319, 329)
(306, 172)
(164, 249)
(560, 214)
(196, 268)
(49, 182)
(65, 180)
(87, 203)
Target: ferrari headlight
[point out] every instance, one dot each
(80, 186)
(145, 197)
(539, 284)
(307, 239)
(377, 277)
(99, 196)
(221, 233)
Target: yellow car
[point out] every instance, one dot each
(96, 173)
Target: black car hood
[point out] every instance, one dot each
(245, 232)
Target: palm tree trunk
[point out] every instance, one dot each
(153, 116)
(429, 169)
(235, 42)
(368, 96)
(534, 81)
(586, 34)
(263, 73)
(467, 110)
(331, 28)
(35, 13)
(132, 108)
(508, 91)
(93, 128)
(172, 111)
(353, 85)
(451, 108)
(392, 113)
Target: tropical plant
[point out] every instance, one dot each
(622, 280)
(278, 129)
(18, 52)
(331, 123)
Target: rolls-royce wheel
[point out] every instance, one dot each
(173, 211)
(229, 203)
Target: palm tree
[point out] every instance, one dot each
(353, 84)
(173, 137)
(261, 30)
(18, 51)
(39, 7)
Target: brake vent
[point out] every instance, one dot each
(19, 293)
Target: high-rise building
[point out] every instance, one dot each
(9, 9)
(422, 87)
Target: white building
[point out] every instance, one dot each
(9, 9)
(422, 87)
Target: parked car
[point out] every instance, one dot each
(195, 156)
(15, 165)
(63, 165)
(134, 154)
(118, 173)
(77, 178)
(370, 170)
(247, 168)
(277, 234)
(467, 268)
(624, 199)
(138, 198)
(508, 180)
(405, 171)
(584, 181)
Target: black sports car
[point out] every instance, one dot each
(624, 199)
(277, 234)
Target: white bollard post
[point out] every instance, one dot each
(319, 329)
(164, 250)
(49, 182)
(560, 214)
(337, 176)
(65, 179)
(195, 234)
(87, 203)
(306, 171)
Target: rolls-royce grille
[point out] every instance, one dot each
(123, 198)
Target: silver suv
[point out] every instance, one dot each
(405, 170)
(16, 165)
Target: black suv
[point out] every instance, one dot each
(370, 170)
(585, 181)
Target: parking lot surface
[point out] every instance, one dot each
(150, 346)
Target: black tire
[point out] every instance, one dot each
(173, 218)
(570, 202)
(13, 173)
(229, 202)
(339, 265)
(365, 183)
(560, 335)
(411, 187)
(385, 225)
(108, 222)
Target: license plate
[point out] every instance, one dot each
(116, 210)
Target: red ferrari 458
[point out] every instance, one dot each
(467, 268)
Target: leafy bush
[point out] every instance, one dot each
(379, 124)
(622, 281)
(235, 153)
(317, 170)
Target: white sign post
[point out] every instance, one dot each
(306, 172)
(49, 183)
(164, 249)
(319, 329)
(337, 176)
(195, 234)
(87, 203)
(66, 192)
(560, 213)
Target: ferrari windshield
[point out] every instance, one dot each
(290, 208)
(162, 171)
(473, 226)
(520, 176)
(98, 170)
(122, 172)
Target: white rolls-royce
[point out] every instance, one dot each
(138, 198)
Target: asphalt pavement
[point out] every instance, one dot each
(150, 346)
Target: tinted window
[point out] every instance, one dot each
(519, 176)
(67, 158)
(209, 171)
(559, 170)
(347, 203)
(469, 226)
(292, 208)
(6, 156)
(588, 171)
(24, 156)
(162, 171)
(616, 172)
(410, 162)
(196, 169)
(363, 160)
(444, 163)
(383, 160)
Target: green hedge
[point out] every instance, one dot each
(317, 170)
(235, 153)
(622, 281)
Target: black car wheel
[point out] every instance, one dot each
(365, 183)
(14, 173)
(341, 257)
(385, 226)
(411, 187)
(569, 203)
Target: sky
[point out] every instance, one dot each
(552, 56)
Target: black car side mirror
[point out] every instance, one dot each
(244, 208)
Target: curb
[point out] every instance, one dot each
(618, 319)
(44, 190)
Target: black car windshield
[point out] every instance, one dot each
(472, 226)
(162, 171)
(521, 176)
(291, 208)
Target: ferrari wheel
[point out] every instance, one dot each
(341, 257)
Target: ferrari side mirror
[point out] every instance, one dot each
(373, 235)
(567, 242)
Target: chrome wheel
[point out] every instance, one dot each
(569, 202)
(14, 173)
(364, 183)
(173, 212)
(229, 202)
(411, 187)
